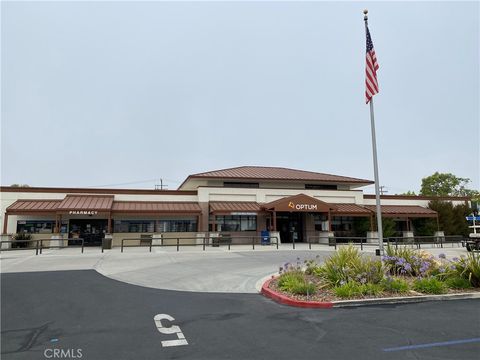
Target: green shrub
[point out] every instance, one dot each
(303, 288)
(468, 268)
(18, 243)
(430, 285)
(396, 285)
(410, 262)
(348, 290)
(288, 278)
(457, 282)
(369, 271)
(371, 289)
(295, 283)
(353, 289)
(347, 265)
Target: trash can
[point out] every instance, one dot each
(265, 235)
(107, 242)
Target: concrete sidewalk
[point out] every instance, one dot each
(239, 270)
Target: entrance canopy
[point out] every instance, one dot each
(299, 203)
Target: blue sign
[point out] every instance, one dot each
(471, 218)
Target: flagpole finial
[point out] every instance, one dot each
(366, 14)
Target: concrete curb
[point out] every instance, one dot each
(282, 299)
(406, 299)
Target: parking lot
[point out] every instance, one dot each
(107, 319)
(81, 312)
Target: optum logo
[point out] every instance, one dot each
(302, 206)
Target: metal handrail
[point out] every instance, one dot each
(226, 240)
(39, 244)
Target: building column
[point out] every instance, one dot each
(109, 223)
(5, 224)
(371, 223)
(408, 224)
(274, 215)
(329, 221)
(199, 223)
(57, 228)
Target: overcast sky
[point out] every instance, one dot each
(122, 93)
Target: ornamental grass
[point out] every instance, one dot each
(402, 271)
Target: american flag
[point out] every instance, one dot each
(371, 84)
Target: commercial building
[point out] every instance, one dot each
(293, 204)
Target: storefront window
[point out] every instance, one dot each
(176, 225)
(342, 224)
(134, 226)
(236, 222)
(35, 226)
(321, 222)
(151, 226)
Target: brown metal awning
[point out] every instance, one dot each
(228, 207)
(351, 210)
(404, 211)
(86, 203)
(33, 206)
(156, 207)
(299, 203)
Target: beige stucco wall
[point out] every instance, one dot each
(261, 196)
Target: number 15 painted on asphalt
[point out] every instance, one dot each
(173, 329)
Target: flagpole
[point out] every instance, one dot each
(375, 165)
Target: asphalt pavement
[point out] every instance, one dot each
(81, 314)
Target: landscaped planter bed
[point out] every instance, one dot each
(348, 276)
(327, 295)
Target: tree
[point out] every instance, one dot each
(19, 185)
(389, 227)
(446, 184)
(451, 218)
(409, 192)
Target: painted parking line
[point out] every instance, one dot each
(173, 329)
(422, 346)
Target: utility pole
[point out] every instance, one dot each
(383, 191)
(161, 186)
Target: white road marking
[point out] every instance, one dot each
(174, 329)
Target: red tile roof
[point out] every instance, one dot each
(34, 206)
(234, 206)
(351, 209)
(404, 210)
(86, 202)
(276, 173)
(156, 207)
